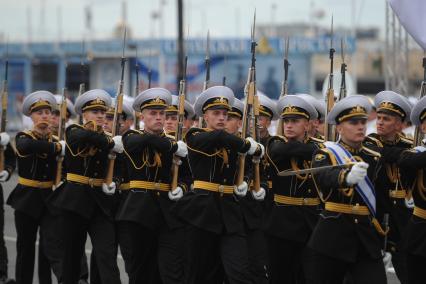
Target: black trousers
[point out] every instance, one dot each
(3, 250)
(150, 256)
(138, 246)
(285, 260)
(44, 269)
(95, 278)
(399, 262)
(416, 268)
(209, 256)
(258, 256)
(322, 269)
(51, 243)
(26, 229)
(102, 234)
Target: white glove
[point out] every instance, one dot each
(4, 175)
(109, 189)
(260, 195)
(241, 190)
(182, 149)
(63, 146)
(118, 144)
(409, 203)
(357, 173)
(175, 194)
(253, 145)
(4, 139)
(387, 260)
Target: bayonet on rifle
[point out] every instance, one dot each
(117, 113)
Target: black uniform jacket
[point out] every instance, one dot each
(149, 158)
(253, 210)
(392, 180)
(292, 222)
(86, 155)
(36, 157)
(339, 235)
(414, 165)
(213, 156)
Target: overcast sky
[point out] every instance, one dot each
(65, 19)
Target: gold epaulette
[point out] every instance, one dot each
(169, 136)
(371, 152)
(318, 142)
(406, 140)
(374, 140)
(268, 145)
(172, 133)
(195, 131)
(132, 131)
(76, 125)
(277, 137)
(316, 139)
(329, 154)
(28, 133)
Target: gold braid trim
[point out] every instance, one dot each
(132, 161)
(224, 155)
(294, 167)
(392, 173)
(323, 200)
(91, 152)
(204, 153)
(33, 136)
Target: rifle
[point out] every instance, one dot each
(284, 84)
(4, 96)
(207, 79)
(329, 130)
(117, 114)
(181, 117)
(149, 70)
(136, 125)
(61, 131)
(82, 87)
(418, 135)
(386, 227)
(343, 69)
(250, 116)
(225, 65)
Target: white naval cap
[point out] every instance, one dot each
(355, 106)
(214, 97)
(173, 107)
(93, 99)
(392, 103)
(127, 109)
(316, 103)
(237, 109)
(37, 100)
(418, 113)
(154, 98)
(267, 107)
(70, 105)
(296, 106)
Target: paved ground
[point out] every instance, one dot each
(10, 238)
